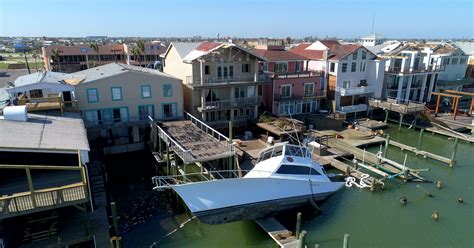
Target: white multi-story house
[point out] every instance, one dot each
(221, 81)
(373, 40)
(413, 71)
(354, 74)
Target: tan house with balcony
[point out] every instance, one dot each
(221, 81)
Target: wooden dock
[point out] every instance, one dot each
(425, 154)
(282, 236)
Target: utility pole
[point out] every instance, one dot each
(26, 60)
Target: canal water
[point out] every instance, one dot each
(373, 219)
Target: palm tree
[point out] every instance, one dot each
(141, 48)
(136, 55)
(55, 55)
(35, 56)
(95, 47)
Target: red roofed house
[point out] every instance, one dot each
(294, 90)
(354, 74)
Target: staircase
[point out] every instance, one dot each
(96, 179)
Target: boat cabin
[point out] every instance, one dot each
(287, 161)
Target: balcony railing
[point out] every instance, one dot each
(355, 90)
(313, 95)
(230, 103)
(298, 74)
(421, 69)
(261, 78)
(353, 108)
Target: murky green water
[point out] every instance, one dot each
(372, 219)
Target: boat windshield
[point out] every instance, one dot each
(290, 150)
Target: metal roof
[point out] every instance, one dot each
(44, 77)
(49, 131)
(113, 69)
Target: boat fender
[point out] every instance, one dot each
(439, 184)
(460, 200)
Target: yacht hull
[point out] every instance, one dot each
(222, 201)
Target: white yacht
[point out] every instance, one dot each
(284, 177)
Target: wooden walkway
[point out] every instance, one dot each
(425, 154)
(278, 232)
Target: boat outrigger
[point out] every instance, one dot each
(284, 177)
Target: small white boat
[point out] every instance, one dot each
(284, 177)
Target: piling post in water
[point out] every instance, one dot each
(419, 139)
(455, 150)
(230, 146)
(346, 241)
(386, 116)
(401, 121)
(298, 225)
(113, 209)
(301, 241)
(387, 142)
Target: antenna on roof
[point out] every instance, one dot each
(373, 22)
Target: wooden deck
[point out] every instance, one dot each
(425, 154)
(278, 232)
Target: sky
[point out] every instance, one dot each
(425, 19)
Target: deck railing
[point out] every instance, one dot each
(51, 102)
(235, 102)
(173, 145)
(297, 74)
(211, 131)
(261, 78)
(293, 96)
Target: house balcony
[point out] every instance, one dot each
(299, 74)
(220, 81)
(231, 103)
(353, 108)
(315, 95)
(419, 70)
(355, 90)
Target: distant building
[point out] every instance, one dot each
(373, 40)
(222, 81)
(82, 57)
(294, 89)
(354, 74)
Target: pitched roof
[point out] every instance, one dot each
(113, 69)
(307, 53)
(193, 50)
(46, 77)
(337, 50)
(279, 55)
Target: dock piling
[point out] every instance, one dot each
(301, 240)
(387, 143)
(418, 146)
(346, 241)
(400, 123)
(298, 225)
(386, 116)
(453, 156)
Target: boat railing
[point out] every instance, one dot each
(165, 182)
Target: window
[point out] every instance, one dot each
(287, 107)
(92, 95)
(364, 54)
(306, 108)
(92, 117)
(446, 61)
(116, 93)
(245, 68)
(298, 66)
(169, 110)
(344, 67)
(362, 66)
(36, 93)
(146, 110)
(225, 72)
(167, 90)
(239, 92)
(146, 91)
(281, 67)
(346, 84)
(455, 61)
(285, 90)
(353, 66)
(354, 55)
(462, 60)
(231, 71)
(296, 170)
(308, 89)
(219, 71)
(206, 70)
(363, 82)
(332, 67)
